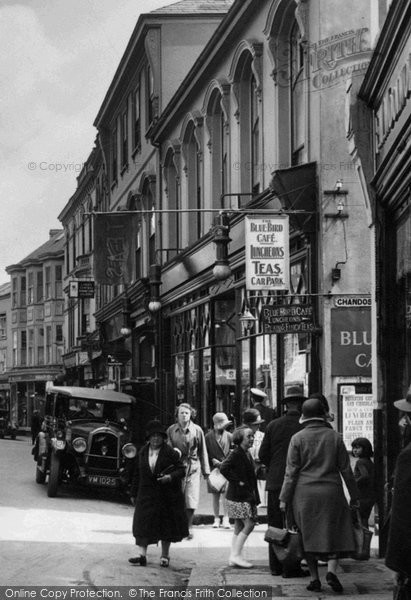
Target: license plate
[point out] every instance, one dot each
(102, 480)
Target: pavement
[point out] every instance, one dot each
(362, 580)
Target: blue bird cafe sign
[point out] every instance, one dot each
(351, 340)
(267, 255)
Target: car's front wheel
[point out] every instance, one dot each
(54, 476)
(40, 475)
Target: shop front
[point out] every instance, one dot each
(222, 338)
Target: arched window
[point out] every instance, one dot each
(173, 219)
(298, 110)
(217, 122)
(246, 93)
(194, 172)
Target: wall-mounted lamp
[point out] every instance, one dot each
(221, 239)
(247, 320)
(335, 274)
(339, 194)
(154, 304)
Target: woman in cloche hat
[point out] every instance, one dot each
(157, 495)
(218, 444)
(317, 460)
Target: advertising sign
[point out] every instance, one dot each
(267, 253)
(297, 318)
(357, 418)
(351, 342)
(81, 288)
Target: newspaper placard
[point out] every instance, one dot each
(267, 253)
(357, 418)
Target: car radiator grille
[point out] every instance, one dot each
(104, 452)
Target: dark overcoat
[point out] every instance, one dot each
(159, 510)
(398, 556)
(274, 448)
(317, 460)
(238, 469)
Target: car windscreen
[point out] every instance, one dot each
(79, 408)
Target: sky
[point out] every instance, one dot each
(57, 60)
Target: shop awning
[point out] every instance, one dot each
(296, 189)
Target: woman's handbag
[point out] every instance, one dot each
(362, 538)
(216, 481)
(287, 545)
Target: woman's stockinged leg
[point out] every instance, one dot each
(313, 566)
(216, 505)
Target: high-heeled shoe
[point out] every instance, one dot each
(138, 560)
(334, 582)
(314, 586)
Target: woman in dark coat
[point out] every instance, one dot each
(316, 461)
(242, 493)
(156, 492)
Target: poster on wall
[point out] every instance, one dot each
(267, 253)
(357, 418)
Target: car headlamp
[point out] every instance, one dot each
(129, 450)
(79, 444)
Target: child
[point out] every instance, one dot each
(364, 474)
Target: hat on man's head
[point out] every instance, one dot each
(252, 416)
(405, 403)
(313, 409)
(155, 427)
(221, 420)
(294, 393)
(258, 392)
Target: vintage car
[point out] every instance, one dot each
(86, 438)
(7, 427)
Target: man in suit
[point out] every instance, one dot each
(273, 453)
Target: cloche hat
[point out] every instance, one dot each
(252, 416)
(155, 427)
(312, 409)
(220, 419)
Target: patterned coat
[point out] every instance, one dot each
(159, 510)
